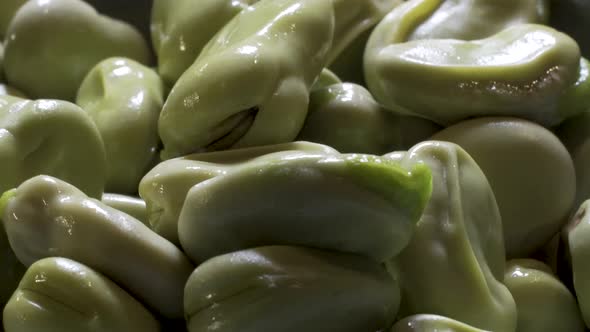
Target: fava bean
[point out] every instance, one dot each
(58, 294)
(47, 217)
(54, 43)
(260, 289)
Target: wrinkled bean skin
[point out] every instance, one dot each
(259, 289)
(58, 294)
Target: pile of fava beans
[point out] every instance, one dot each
(294, 165)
